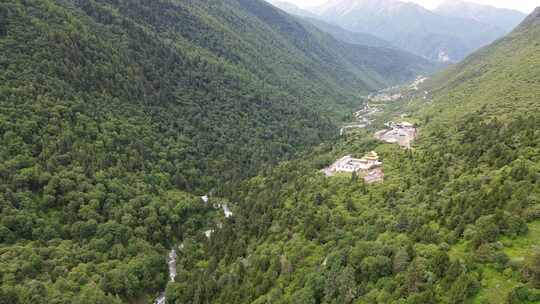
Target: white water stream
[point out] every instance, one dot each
(171, 261)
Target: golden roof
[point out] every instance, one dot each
(372, 155)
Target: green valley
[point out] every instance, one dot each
(116, 115)
(455, 220)
(170, 151)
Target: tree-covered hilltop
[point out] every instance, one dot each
(457, 219)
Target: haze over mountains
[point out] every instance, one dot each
(448, 33)
(504, 19)
(331, 28)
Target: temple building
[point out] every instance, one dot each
(348, 164)
(398, 133)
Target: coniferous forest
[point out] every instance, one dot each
(116, 116)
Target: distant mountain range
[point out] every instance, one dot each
(447, 34)
(331, 28)
(504, 19)
(291, 8)
(349, 36)
(478, 81)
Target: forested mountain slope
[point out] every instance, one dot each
(207, 64)
(500, 80)
(349, 64)
(456, 220)
(113, 114)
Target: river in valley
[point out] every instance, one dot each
(171, 262)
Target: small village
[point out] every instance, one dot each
(369, 167)
(415, 85)
(402, 133)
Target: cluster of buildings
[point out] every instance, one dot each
(374, 176)
(415, 86)
(368, 167)
(398, 133)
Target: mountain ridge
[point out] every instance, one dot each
(534, 17)
(506, 19)
(414, 28)
(291, 8)
(348, 36)
(333, 29)
(488, 63)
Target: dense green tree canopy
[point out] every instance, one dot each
(116, 115)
